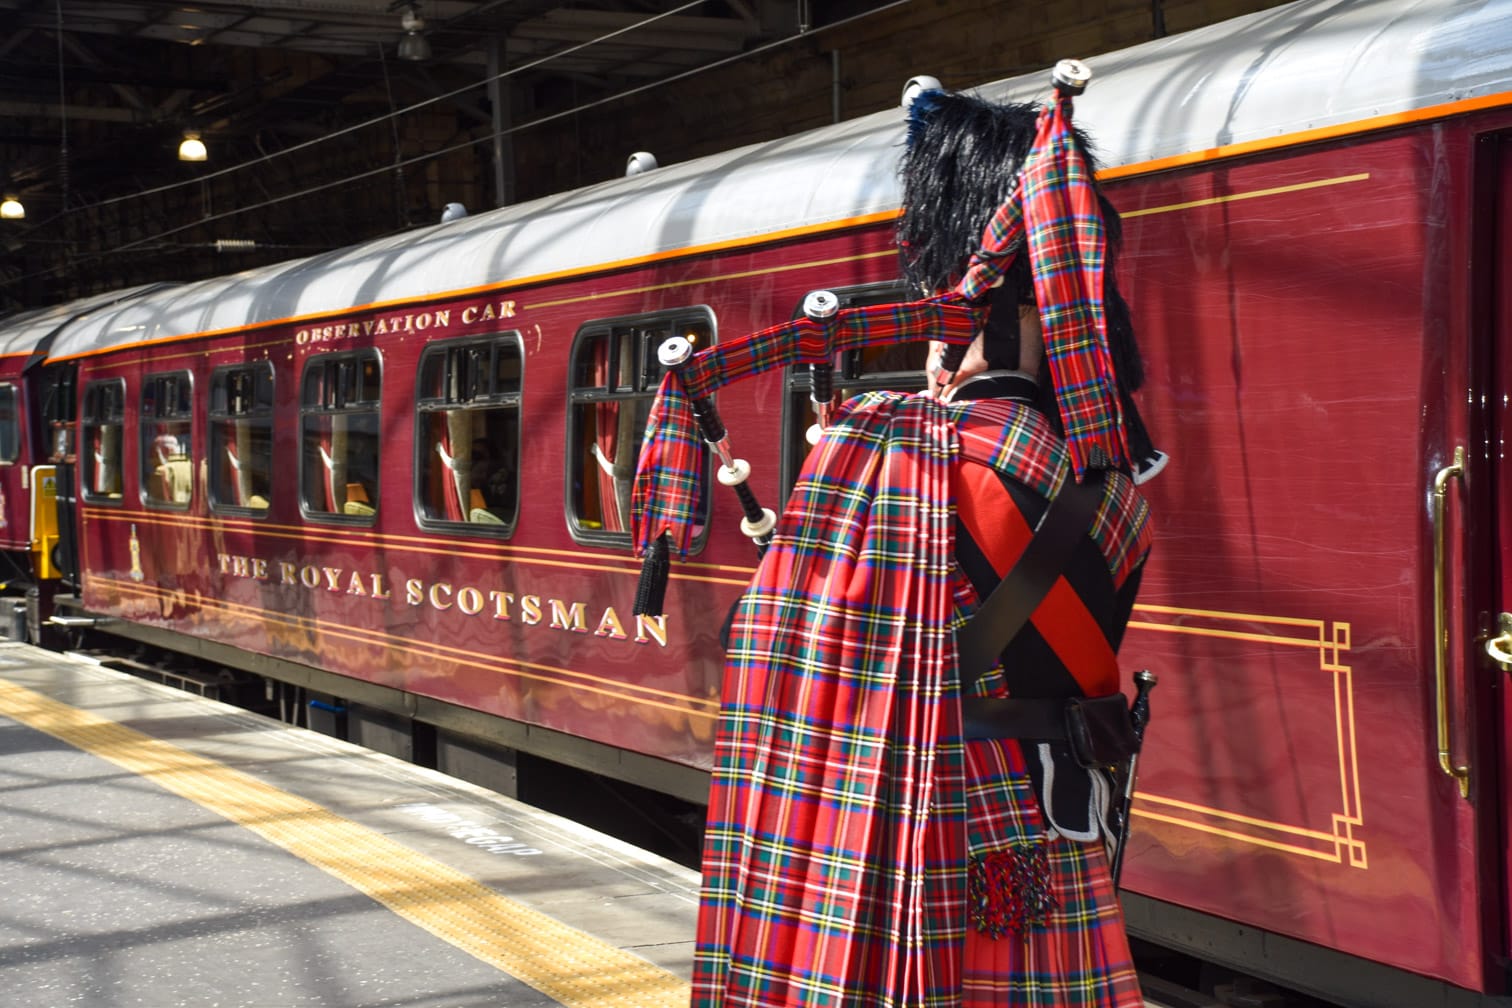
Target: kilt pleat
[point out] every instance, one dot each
(845, 809)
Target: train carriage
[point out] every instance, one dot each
(28, 487)
(398, 473)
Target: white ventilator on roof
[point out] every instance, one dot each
(1311, 64)
(640, 161)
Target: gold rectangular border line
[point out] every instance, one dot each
(1337, 844)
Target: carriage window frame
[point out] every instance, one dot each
(467, 388)
(10, 423)
(166, 398)
(850, 378)
(90, 416)
(222, 409)
(344, 397)
(634, 382)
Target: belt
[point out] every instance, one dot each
(1042, 720)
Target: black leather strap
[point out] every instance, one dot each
(982, 640)
(1004, 717)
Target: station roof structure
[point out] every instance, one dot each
(96, 95)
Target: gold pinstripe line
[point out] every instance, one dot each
(1268, 824)
(519, 285)
(1251, 194)
(577, 559)
(721, 277)
(574, 968)
(1300, 138)
(618, 689)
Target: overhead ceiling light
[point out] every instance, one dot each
(414, 46)
(192, 148)
(12, 209)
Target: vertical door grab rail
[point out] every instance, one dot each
(1454, 470)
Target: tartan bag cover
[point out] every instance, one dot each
(668, 471)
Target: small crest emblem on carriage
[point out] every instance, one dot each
(136, 555)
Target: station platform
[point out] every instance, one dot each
(161, 849)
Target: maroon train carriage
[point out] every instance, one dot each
(398, 473)
(29, 509)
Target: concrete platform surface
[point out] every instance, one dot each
(159, 849)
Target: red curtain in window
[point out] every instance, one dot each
(97, 472)
(234, 477)
(606, 434)
(236, 474)
(244, 490)
(454, 471)
(334, 471)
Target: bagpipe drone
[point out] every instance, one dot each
(1029, 174)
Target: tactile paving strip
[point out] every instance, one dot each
(572, 967)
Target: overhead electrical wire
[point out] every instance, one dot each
(396, 113)
(399, 165)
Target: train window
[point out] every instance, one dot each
(468, 434)
(614, 375)
(241, 438)
(166, 424)
(102, 422)
(897, 368)
(10, 423)
(338, 407)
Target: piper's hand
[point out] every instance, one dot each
(933, 365)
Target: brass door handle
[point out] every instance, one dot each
(1459, 772)
(1500, 646)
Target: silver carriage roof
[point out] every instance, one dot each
(1308, 65)
(28, 331)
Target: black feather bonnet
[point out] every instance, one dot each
(962, 162)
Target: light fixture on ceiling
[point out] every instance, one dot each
(414, 46)
(11, 209)
(192, 148)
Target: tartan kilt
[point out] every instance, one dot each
(1078, 956)
(847, 816)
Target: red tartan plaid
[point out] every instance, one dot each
(1067, 247)
(844, 808)
(667, 472)
(836, 849)
(1053, 213)
(1079, 954)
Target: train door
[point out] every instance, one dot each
(1494, 656)
(59, 408)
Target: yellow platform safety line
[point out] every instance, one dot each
(572, 967)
